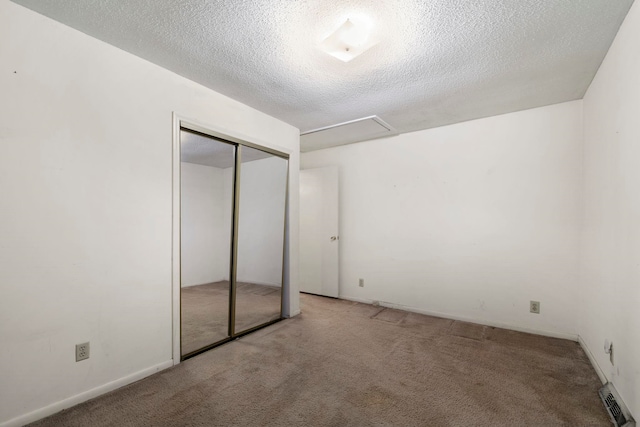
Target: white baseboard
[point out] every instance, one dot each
(204, 283)
(261, 283)
(253, 282)
(83, 397)
(592, 359)
(552, 334)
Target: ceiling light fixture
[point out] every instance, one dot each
(350, 40)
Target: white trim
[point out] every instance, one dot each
(253, 282)
(592, 359)
(228, 134)
(261, 283)
(83, 397)
(175, 241)
(562, 335)
(392, 131)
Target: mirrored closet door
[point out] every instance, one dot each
(263, 193)
(207, 173)
(232, 226)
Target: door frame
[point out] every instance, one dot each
(180, 122)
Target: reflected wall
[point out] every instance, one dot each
(261, 224)
(206, 194)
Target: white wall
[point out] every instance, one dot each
(610, 268)
(470, 221)
(205, 235)
(86, 221)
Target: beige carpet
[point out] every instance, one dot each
(348, 364)
(205, 311)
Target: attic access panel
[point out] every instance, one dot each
(364, 129)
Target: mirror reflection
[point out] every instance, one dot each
(263, 191)
(206, 180)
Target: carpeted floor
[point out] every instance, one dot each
(348, 364)
(205, 311)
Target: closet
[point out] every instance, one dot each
(233, 199)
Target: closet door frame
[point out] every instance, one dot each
(180, 123)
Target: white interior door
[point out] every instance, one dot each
(319, 240)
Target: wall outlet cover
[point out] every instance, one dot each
(534, 307)
(82, 351)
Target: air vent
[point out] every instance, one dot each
(364, 129)
(616, 408)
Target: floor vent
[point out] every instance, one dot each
(615, 406)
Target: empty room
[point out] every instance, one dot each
(331, 213)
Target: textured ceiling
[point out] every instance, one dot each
(438, 62)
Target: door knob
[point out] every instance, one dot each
(334, 238)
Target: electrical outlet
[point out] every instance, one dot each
(361, 283)
(82, 351)
(534, 307)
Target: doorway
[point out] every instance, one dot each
(319, 239)
(233, 199)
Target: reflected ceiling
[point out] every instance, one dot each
(202, 150)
